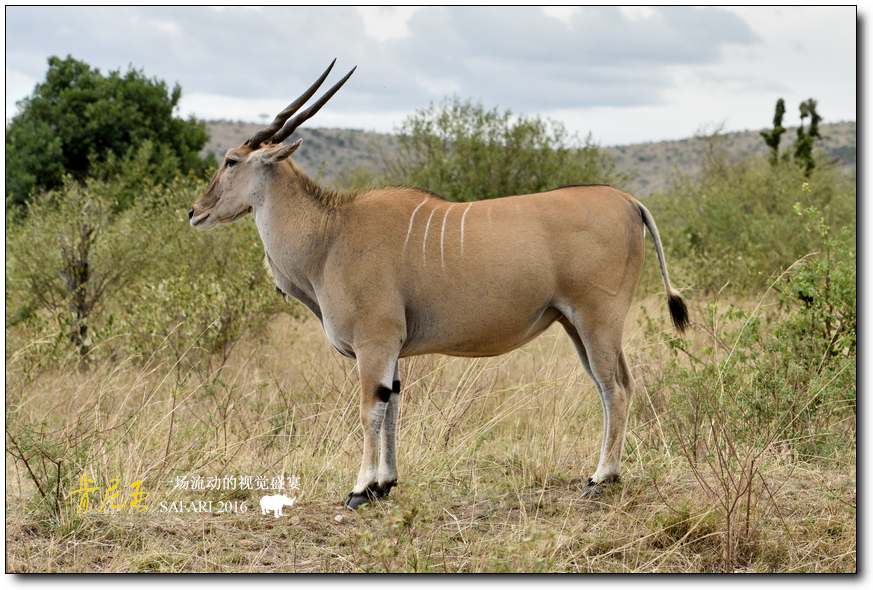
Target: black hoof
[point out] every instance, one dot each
(355, 500)
(383, 489)
(592, 490)
(595, 489)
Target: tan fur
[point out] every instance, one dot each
(395, 271)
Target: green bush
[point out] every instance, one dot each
(815, 347)
(775, 379)
(210, 290)
(822, 290)
(736, 224)
(137, 282)
(68, 259)
(464, 152)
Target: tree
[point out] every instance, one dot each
(465, 152)
(84, 124)
(771, 138)
(805, 139)
(70, 254)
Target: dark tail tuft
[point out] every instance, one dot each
(678, 311)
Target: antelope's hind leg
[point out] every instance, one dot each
(380, 400)
(602, 357)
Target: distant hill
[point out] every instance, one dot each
(324, 153)
(652, 164)
(328, 152)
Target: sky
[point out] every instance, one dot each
(624, 75)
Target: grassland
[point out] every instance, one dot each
(493, 453)
(182, 369)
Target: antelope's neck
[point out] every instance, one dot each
(296, 234)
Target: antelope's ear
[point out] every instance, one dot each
(274, 155)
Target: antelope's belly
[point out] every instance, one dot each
(476, 333)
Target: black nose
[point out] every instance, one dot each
(191, 214)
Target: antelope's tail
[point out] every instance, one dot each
(677, 305)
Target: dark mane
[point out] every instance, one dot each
(417, 188)
(400, 187)
(332, 199)
(578, 185)
(329, 198)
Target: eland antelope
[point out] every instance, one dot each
(397, 271)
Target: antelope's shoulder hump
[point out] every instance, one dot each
(398, 192)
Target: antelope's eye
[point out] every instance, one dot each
(230, 162)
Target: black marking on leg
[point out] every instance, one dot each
(383, 393)
(395, 387)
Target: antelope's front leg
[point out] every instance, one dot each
(380, 388)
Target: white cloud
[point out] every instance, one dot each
(438, 86)
(386, 22)
(18, 86)
(564, 14)
(622, 73)
(636, 13)
(162, 26)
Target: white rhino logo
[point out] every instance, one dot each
(275, 503)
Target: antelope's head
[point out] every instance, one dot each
(240, 177)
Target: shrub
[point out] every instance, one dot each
(68, 259)
(735, 224)
(466, 153)
(209, 291)
(137, 282)
(760, 388)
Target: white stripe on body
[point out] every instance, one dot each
(424, 241)
(443, 237)
(411, 220)
(463, 219)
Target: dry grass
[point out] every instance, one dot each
(492, 455)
